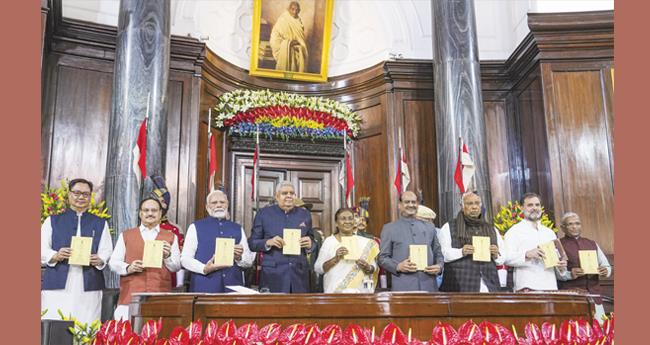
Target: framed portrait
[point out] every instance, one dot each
(291, 39)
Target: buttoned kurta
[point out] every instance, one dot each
(530, 274)
(395, 240)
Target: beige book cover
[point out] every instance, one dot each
(291, 239)
(551, 257)
(481, 246)
(588, 261)
(224, 251)
(80, 247)
(351, 243)
(153, 253)
(418, 255)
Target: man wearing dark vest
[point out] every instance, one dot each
(127, 258)
(462, 273)
(75, 290)
(282, 273)
(574, 277)
(199, 248)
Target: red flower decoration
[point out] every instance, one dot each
(442, 334)
(269, 334)
(179, 336)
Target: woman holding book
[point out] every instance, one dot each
(345, 259)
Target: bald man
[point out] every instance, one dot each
(462, 273)
(396, 237)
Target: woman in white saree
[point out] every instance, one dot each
(343, 274)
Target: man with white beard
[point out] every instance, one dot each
(199, 248)
(523, 253)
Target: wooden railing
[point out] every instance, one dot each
(418, 311)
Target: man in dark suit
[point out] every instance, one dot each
(282, 273)
(396, 237)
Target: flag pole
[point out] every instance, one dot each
(460, 157)
(146, 116)
(399, 159)
(210, 177)
(256, 164)
(146, 130)
(345, 172)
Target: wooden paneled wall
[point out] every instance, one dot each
(562, 97)
(579, 120)
(548, 112)
(76, 107)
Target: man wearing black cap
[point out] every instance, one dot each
(162, 195)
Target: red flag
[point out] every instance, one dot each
(350, 180)
(140, 153)
(254, 173)
(464, 174)
(346, 179)
(212, 170)
(402, 177)
(255, 165)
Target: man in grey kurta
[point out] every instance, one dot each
(394, 252)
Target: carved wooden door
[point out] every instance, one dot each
(315, 180)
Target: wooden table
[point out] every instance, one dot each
(418, 311)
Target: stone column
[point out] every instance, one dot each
(140, 75)
(458, 101)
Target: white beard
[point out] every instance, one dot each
(218, 213)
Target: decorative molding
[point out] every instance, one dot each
(82, 38)
(224, 76)
(332, 148)
(553, 37)
(563, 37)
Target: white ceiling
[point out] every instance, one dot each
(364, 32)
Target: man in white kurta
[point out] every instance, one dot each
(216, 204)
(73, 300)
(522, 243)
(150, 216)
(287, 41)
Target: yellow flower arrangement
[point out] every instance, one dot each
(512, 214)
(82, 333)
(55, 201)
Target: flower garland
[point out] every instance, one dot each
(55, 201)
(569, 332)
(512, 214)
(285, 115)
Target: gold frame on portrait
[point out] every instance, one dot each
(255, 70)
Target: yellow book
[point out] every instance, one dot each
(588, 261)
(80, 247)
(551, 257)
(481, 246)
(291, 239)
(350, 242)
(224, 251)
(153, 254)
(418, 255)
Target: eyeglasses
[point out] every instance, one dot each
(78, 194)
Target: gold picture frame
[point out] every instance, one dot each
(280, 49)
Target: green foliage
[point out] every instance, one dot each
(512, 214)
(55, 201)
(82, 333)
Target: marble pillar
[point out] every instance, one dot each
(139, 82)
(458, 101)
